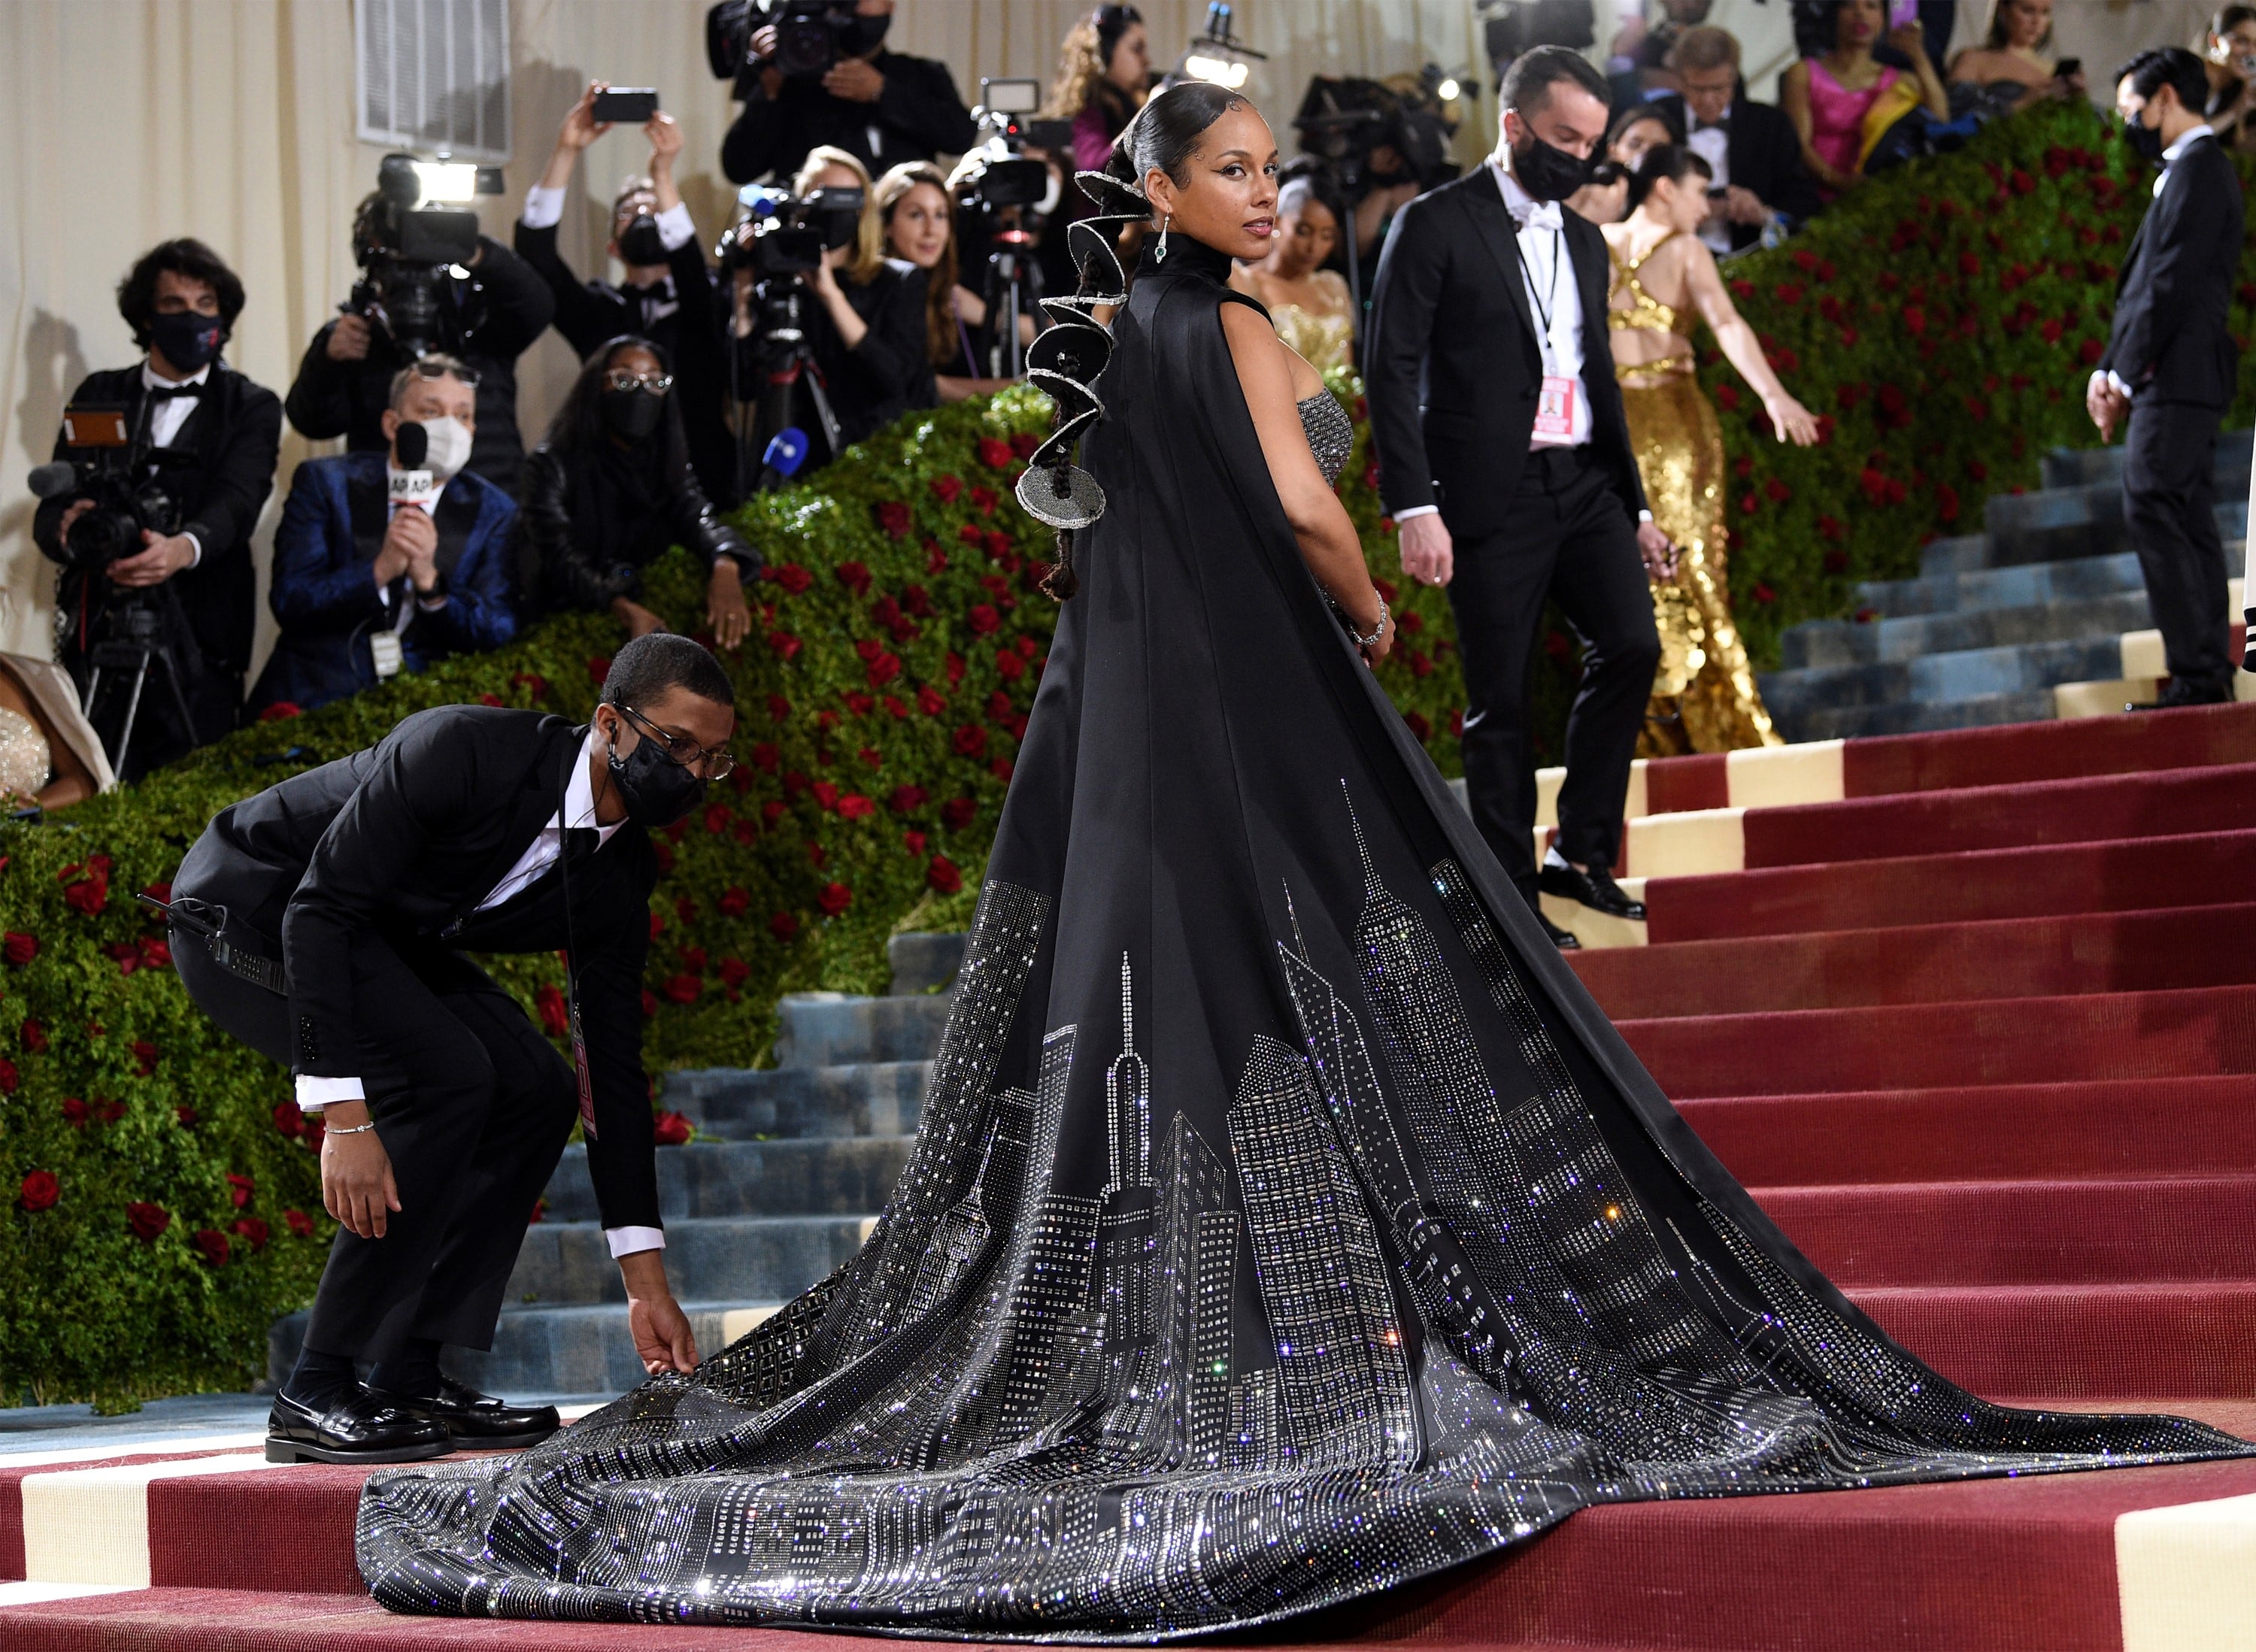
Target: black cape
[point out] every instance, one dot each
(1287, 1221)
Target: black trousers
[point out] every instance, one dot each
(2169, 504)
(472, 1106)
(1570, 541)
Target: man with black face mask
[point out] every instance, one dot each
(327, 922)
(668, 297)
(1506, 459)
(877, 106)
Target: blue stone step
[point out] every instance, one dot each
(2080, 467)
(857, 1099)
(924, 962)
(829, 1029)
(811, 1177)
(2054, 526)
(1965, 674)
(712, 1258)
(1839, 642)
(1919, 717)
(2023, 587)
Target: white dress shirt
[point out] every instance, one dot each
(1713, 144)
(315, 1094)
(2170, 156)
(166, 419)
(401, 500)
(676, 230)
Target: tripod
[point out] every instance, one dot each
(789, 360)
(135, 644)
(1009, 269)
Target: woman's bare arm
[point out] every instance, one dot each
(1320, 522)
(1740, 346)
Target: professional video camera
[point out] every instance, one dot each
(811, 35)
(406, 252)
(1000, 192)
(1343, 122)
(780, 240)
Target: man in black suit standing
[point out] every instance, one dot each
(214, 435)
(2171, 366)
(1505, 459)
(325, 922)
(1751, 148)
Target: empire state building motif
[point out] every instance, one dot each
(1127, 1224)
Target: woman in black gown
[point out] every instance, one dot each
(1287, 1221)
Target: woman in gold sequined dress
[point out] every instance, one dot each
(50, 755)
(1309, 306)
(1664, 281)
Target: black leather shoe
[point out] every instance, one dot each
(1594, 889)
(478, 1421)
(2178, 692)
(355, 1427)
(1565, 940)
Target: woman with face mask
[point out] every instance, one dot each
(1309, 304)
(609, 489)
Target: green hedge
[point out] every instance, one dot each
(162, 1206)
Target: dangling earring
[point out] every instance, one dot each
(1161, 255)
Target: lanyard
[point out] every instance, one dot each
(1543, 308)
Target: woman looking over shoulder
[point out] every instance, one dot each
(1309, 305)
(1664, 282)
(1842, 99)
(2014, 64)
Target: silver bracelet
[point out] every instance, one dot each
(1377, 631)
(348, 1130)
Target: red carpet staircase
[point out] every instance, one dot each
(1981, 1034)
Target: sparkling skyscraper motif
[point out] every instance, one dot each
(1127, 1228)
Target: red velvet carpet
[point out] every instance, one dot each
(1981, 1036)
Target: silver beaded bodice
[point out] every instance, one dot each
(1331, 435)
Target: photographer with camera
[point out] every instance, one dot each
(430, 284)
(815, 74)
(150, 512)
(383, 563)
(669, 298)
(919, 214)
(609, 489)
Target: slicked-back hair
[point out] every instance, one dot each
(647, 666)
(2170, 65)
(1527, 83)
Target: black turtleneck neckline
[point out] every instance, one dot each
(1186, 255)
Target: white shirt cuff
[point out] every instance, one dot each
(676, 229)
(195, 551)
(626, 1241)
(313, 1094)
(1645, 516)
(543, 208)
(1405, 515)
(2121, 389)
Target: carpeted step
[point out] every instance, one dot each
(2119, 875)
(2193, 738)
(2149, 1126)
(856, 1098)
(2180, 1230)
(809, 1176)
(2096, 1037)
(1925, 964)
(2074, 1340)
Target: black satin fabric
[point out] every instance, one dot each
(1286, 1222)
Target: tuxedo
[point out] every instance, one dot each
(368, 880)
(234, 435)
(1762, 152)
(1456, 365)
(2171, 349)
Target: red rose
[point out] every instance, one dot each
(1837, 561)
(778, 708)
(126, 955)
(914, 843)
(982, 500)
(187, 1116)
(971, 740)
(555, 1015)
(893, 516)
(718, 818)
(930, 700)
(1457, 722)
(785, 644)
(74, 1112)
(682, 988)
(734, 901)
(1419, 725)
(288, 1120)
(1727, 397)
(108, 1111)
(532, 683)
(693, 959)
(670, 1129)
(147, 1220)
(2089, 353)
(826, 794)
(649, 1005)
(834, 899)
(994, 453)
(599, 667)
(239, 1189)
(161, 889)
(1765, 594)
(854, 576)
(773, 810)
(957, 813)
(1000, 768)
(998, 544)
(943, 876)
(657, 926)
(783, 926)
(252, 1229)
(491, 699)
(213, 1245)
(156, 952)
(20, 948)
(279, 710)
(40, 1192)
(89, 895)
(1946, 502)
(299, 1223)
(984, 619)
(1010, 665)
(686, 909)
(853, 806)
(955, 669)
(871, 757)
(894, 704)
(883, 669)
(907, 800)
(9, 1077)
(664, 855)
(1024, 443)
(945, 487)
(935, 560)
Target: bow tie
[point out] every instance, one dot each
(174, 392)
(1539, 214)
(1722, 126)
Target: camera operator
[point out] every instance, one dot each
(484, 308)
(205, 444)
(609, 489)
(385, 563)
(815, 74)
(863, 333)
(669, 298)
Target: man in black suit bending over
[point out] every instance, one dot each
(325, 922)
(1505, 458)
(2171, 366)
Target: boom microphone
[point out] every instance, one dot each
(47, 480)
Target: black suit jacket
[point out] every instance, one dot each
(235, 434)
(400, 842)
(916, 117)
(1764, 154)
(2169, 342)
(1454, 365)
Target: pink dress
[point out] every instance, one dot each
(1836, 115)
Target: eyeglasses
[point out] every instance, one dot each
(428, 368)
(716, 762)
(656, 384)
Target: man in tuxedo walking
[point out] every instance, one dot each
(1505, 459)
(325, 922)
(2171, 366)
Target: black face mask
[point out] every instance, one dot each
(657, 790)
(632, 413)
(186, 340)
(2146, 141)
(864, 34)
(1547, 172)
(639, 242)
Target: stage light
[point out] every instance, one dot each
(448, 180)
(1447, 91)
(1221, 71)
(1217, 56)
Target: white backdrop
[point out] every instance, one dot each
(124, 122)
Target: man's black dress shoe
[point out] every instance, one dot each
(1565, 940)
(355, 1427)
(1594, 889)
(478, 1421)
(2178, 692)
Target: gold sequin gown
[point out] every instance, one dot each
(1324, 339)
(26, 763)
(1704, 697)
